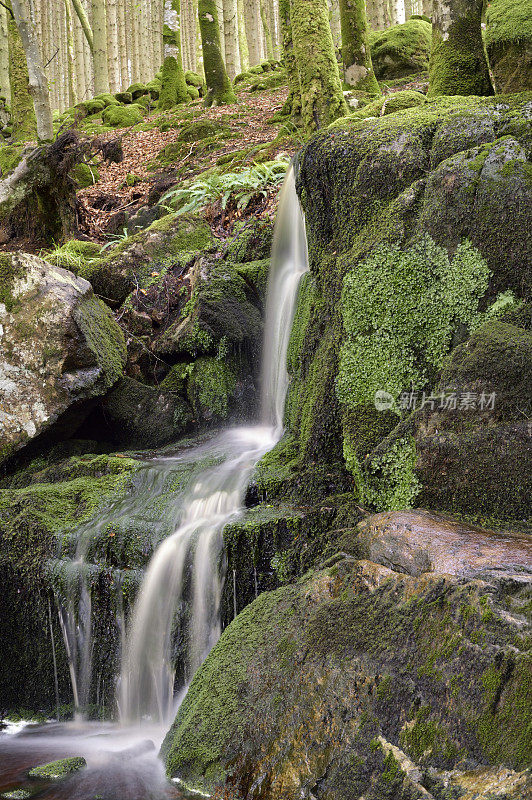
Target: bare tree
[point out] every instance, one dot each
(38, 85)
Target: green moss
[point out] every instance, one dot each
(400, 309)
(193, 93)
(201, 129)
(58, 769)
(9, 271)
(103, 337)
(398, 101)
(137, 90)
(10, 156)
(174, 89)
(193, 79)
(22, 111)
(123, 116)
(402, 49)
(225, 669)
(85, 175)
(210, 387)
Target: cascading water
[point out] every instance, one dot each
(147, 678)
(203, 488)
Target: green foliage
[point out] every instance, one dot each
(389, 483)
(400, 310)
(508, 21)
(240, 187)
(72, 255)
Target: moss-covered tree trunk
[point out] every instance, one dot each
(458, 63)
(322, 97)
(219, 87)
(292, 105)
(356, 53)
(174, 87)
(22, 111)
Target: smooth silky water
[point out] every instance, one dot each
(122, 761)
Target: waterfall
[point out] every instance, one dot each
(179, 597)
(147, 679)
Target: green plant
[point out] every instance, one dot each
(400, 310)
(241, 187)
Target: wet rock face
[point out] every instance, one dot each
(61, 348)
(366, 681)
(447, 175)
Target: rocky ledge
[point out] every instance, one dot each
(403, 676)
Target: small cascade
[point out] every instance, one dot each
(191, 555)
(175, 618)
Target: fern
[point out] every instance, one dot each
(241, 187)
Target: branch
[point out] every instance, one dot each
(7, 9)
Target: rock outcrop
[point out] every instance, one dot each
(367, 681)
(61, 349)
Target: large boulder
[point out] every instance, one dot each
(509, 44)
(403, 677)
(473, 443)
(402, 49)
(436, 197)
(61, 349)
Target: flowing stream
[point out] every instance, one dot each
(186, 561)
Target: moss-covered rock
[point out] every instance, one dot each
(369, 188)
(193, 79)
(509, 44)
(389, 104)
(360, 681)
(193, 92)
(402, 49)
(124, 97)
(130, 263)
(142, 416)
(123, 116)
(61, 348)
(252, 241)
(56, 770)
(10, 156)
(85, 175)
(137, 90)
(201, 129)
(219, 314)
(39, 504)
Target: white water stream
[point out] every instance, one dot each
(147, 680)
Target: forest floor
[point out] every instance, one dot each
(247, 134)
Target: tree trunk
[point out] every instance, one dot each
(242, 38)
(253, 30)
(99, 53)
(398, 12)
(81, 72)
(220, 13)
(356, 53)
(72, 71)
(292, 105)
(146, 52)
(38, 199)
(267, 31)
(232, 53)
(84, 21)
(427, 8)
(134, 16)
(5, 88)
(37, 84)
(123, 45)
(334, 21)
(321, 88)
(174, 88)
(220, 89)
(113, 54)
(458, 63)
